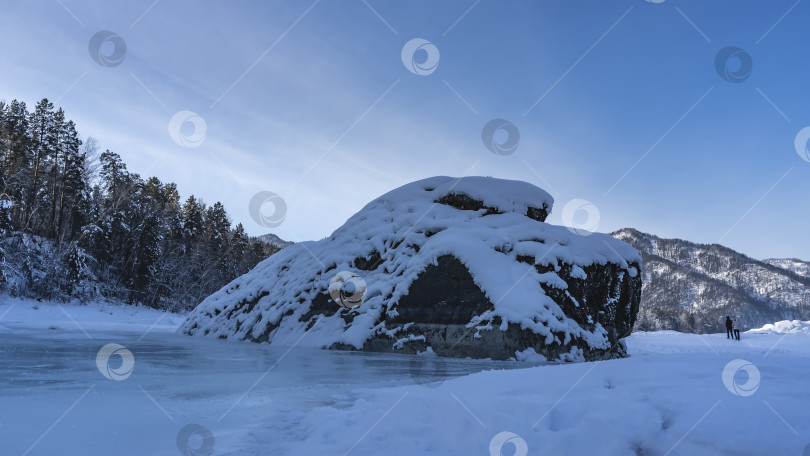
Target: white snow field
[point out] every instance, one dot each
(678, 394)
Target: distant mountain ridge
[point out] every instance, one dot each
(691, 287)
(274, 241)
(799, 267)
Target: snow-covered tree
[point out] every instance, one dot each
(70, 216)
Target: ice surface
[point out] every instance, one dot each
(669, 395)
(48, 362)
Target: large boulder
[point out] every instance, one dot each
(465, 267)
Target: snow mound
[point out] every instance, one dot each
(784, 327)
(494, 227)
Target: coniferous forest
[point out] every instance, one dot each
(75, 224)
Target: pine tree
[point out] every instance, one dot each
(43, 142)
(240, 250)
(114, 177)
(193, 227)
(15, 149)
(146, 252)
(217, 227)
(68, 207)
(74, 267)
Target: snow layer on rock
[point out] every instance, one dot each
(579, 273)
(409, 230)
(501, 194)
(529, 355)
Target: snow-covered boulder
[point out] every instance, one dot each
(465, 266)
(784, 327)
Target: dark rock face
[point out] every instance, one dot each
(464, 202)
(444, 298)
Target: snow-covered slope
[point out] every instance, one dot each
(692, 287)
(793, 265)
(493, 227)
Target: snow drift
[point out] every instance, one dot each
(784, 327)
(463, 266)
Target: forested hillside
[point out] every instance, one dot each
(691, 287)
(76, 224)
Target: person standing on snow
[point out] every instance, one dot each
(729, 328)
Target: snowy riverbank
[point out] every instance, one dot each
(669, 397)
(26, 315)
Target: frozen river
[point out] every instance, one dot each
(168, 394)
(54, 399)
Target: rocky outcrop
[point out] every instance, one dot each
(440, 320)
(463, 267)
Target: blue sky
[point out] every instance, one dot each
(617, 102)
